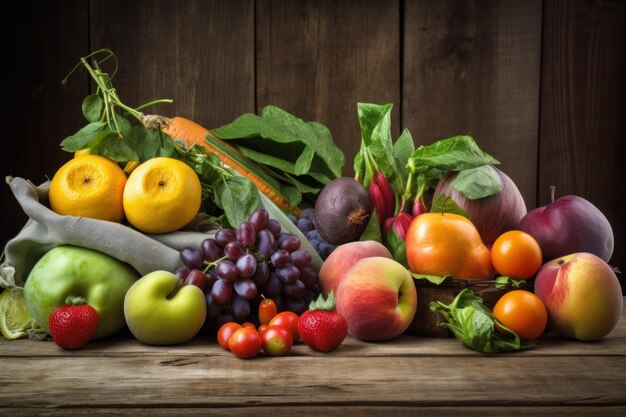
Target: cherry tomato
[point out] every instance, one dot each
(267, 310)
(225, 332)
(277, 340)
(249, 325)
(523, 312)
(287, 319)
(245, 343)
(262, 328)
(516, 254)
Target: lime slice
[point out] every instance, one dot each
(15, 320)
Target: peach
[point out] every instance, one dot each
(378, 298)
(582, 295)
(344, 257)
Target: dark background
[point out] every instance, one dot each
(539, 84)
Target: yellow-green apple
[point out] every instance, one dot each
(569, 225)
(582, 295)
(159, 310)
(344, 257)
(378, 298)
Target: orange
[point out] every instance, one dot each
(89, 186)
(516, 254)
(162, 195)
(522, 312)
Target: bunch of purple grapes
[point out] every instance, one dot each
(306, 224)
(240, 266)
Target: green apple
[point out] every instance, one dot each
(160, 310)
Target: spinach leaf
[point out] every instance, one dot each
(397, 247)
(453, 154)
(116, 148)
(444, 204)
(372, 230)
(402, 151)
(474, 325)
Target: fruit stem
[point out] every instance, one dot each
(552, 192)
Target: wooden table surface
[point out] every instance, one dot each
(407, 376)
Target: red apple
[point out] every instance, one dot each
(344, 257)
(582, 295)
(377, 297)
(568, 225)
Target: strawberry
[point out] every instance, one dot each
(73, 324)
(321, 327)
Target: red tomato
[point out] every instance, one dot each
(262, 328)
(249, 325)
(516, 254)
(523, 312)
(245, 343)
(225, 332)
(287, 319)
(277, 340)
(267, 310)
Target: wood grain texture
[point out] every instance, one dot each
(318, 59)
(472, 67)
(583, 99)
(200, 54)
(120, 376)
(42, 45)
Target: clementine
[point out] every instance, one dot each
(89, 186)
(162, 195)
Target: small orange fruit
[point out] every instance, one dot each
(89, 186)
(162, 195)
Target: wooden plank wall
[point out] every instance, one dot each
(540, 84)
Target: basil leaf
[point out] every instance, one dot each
(92, 107)
(478, 182)
(238, 197)
(89, 136)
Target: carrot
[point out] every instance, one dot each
(180, 128)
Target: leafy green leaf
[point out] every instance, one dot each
(279, 127)
(508, 282)
(433, 279)
(123, 124)
(92, 107)
(144, 145)
(444, 204)
(372, 230)
(87, 137)
(478, 182)
(238, 197)
(397, 247)
(402, 151)
(116, 148)
(453, 154)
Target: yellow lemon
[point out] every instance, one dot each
(89, 186)
(162, 195)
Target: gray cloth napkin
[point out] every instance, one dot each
(45, 230)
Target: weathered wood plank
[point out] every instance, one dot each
(583, 97)
(164, 381)
(473, 67)
(41, 46)
(339, 410)
(200, 54)
(317, 59)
